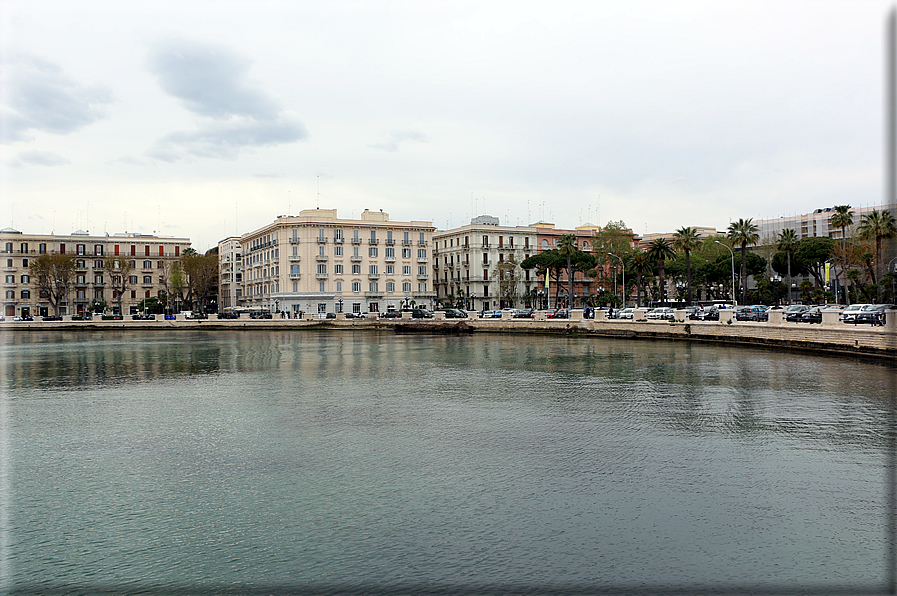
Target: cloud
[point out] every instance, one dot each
(41, 158)
(235, 112)
(39, 96)
(392, 144)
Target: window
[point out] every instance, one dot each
(338, 269)
(338, 235)
(421, 253)
(373, 286)
(79, 264)
(355, 235)
(321, 286)
(372, 269)
(133, 250)
(390, 287)
(98, 264)
(321, 251)
(422, 287)
(422, 241)
(24, 247)
(406, 253)
(146, 250)
(132, 279)
(544, 244)
(295, 286)
(354, 251)
(177, 251)
(160, 264)
(321, 237)
(356, 269)
(161, 251)
(147, 264)
(339, 286)
(373, 236)
(390, 253)
(322, 268)
(26, 294)
(294, 269)
(97, 279)
(80, 295)
(10, 294)
(405, 239)
(80, 249)
(372, 251)
(406, 269)
(147, 279)
(526, 243)
(9, 247)
(98, 295)
(9, 263)
(133, 294)
(406, 286)
(26, 278)
(62, 249)
(390, 269)
(356, 287)
(356, 307)
(337, 251)
(42, 248)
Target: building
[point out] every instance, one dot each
(645, 241)
(318, 263)
(149, 257)
(478, 265)
(230, 273)
(810, 224)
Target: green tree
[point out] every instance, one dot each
(200, 271)
(640, 264)
(119, 270)
(548, 263)
(52, 275)
(744, 233)
(879, 225)
(842, 218)
(659, 250)
(687, 240)
(811, 255)
(508, 281)
(567, 247)
(787, 243)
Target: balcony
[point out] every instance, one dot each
(294, 240)
(422, 259)
(373, 294)
(373, 241)
(421, 243)
(390, 242)
(355, 259)
(321, 258)
(294, 258)
(322, 275)
(356, 240)
(322, 240)
(422, 276)
(295, 276)
(390, 259)
(373, 276)
(423, 294)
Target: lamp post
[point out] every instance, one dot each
(775, 280)
(734, 298)
(623, 291)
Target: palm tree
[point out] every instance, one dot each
(787, 243)
(841, 218)
(641, 265)
(659, 251)
(743, 232)
(687, 240)
(877, 224)
(567, 246)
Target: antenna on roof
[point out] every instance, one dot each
(318, 204)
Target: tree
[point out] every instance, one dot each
(548, 262)
(641, 266)
(743, 232)
(879, 225)
(508, 280)
(53, 275)
(201, 272)
(687, 240)
(811, 255)
(842, 218)
(787, 243)
(659, 250)
(567, 246)
(119, 270)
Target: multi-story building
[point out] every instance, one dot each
(318, 263)
(810, 224)
(478, 265)
(149, 257)
(703, 232)
(230, 273)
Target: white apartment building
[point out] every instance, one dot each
(466, 263)
(318, 263)
(815, 224)
(230, 273)
(148, 254)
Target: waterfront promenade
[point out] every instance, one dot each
(832, 336)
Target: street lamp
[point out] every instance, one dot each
(734, 298)
(623, 292)
(775, 279)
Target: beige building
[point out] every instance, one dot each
(703, 232)
(467, 260)
(230, 273)
(318, 263)
(149, 256)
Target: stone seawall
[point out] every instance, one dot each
(879, 342)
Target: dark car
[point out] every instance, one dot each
(228, 315)
(143, 317)
(52, 318)
(752, 313)
(421, 313)
(813, 315)
(562, 313)
(794, 312)
(391, 314)
(524, 313)
(872, 315)
(455, 313)
(259, 314)
(85, 317)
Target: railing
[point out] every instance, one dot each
(373, 241)
(390, 242)
(373, 276)
(337, 240)
(355, 259)
(295, 276)
(322, 275)
(294, 258)
(356, 240)
(322, 240)
(390, 259)
(321, 257)
(294, 240)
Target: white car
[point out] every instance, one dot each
(662, 312)
(850, 313)
(627, 313)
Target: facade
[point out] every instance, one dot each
(478, 265)
(811, 224)
(318, 263)
(646, 240)
(230, 273)
(149, 257)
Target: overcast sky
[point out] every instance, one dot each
(206, 119)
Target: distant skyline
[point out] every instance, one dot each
(209, 119)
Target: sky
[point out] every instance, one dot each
(209, 119)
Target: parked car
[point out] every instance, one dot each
(849, 313)
(661, 313)
(627, 313)
(256, 314)
(228, 315)
(524, 313)
(83, 317)
(391, 314)
(52, 318)
(562, 313)
(752, 313)
(143, 317)
(873, 314)
(550, 313)
(813, 315)
(794, 312)
(455, 313)
(421, 313)
(490, 314)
